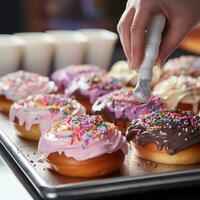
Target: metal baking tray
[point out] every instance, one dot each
(135, 176)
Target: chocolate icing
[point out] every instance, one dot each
(110, 116)
(173, 130)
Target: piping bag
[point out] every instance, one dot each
(143, 88)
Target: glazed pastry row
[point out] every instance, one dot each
(179, 85)
(81, 145)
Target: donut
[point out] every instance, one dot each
(121, 71)
(129, 77)
(168, 136)
(18, 85)
(86, 89)
(33, 115)
(120, 107)
(83, 146)
(63, 77)
(183, 65)
(181, 92)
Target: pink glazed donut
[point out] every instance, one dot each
(33, 115)
(183, 65)
(18, 85)
(63, 77)
(83, 146)
(86, 89)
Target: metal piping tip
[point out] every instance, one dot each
(143, 91)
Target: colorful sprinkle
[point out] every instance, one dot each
(20, 84)
(173, 118)
(84, 128)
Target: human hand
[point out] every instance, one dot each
(182, 17)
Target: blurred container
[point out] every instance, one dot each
(10, 53)
(38, 51)
(101, 44)
(69, 47)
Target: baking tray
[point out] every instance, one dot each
(135, 176)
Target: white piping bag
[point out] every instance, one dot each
(143, 87)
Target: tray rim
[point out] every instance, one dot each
(113, 184)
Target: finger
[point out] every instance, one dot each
(124, 31)
(171, 41)
(140, 23)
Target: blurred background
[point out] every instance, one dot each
(37, 15)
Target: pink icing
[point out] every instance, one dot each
(20, 84)
(123, 104)
(183, 63)
(93, 86)
(43, 110)
(82, 137)
(65, 76)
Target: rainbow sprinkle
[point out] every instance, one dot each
(53, 103)
(171, 118)
(20, 84)
(84, 128)
(94, 81)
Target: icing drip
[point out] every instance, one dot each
(121, 104)
(182, 89)
(82, 137)
(173, 130)
(43, 110)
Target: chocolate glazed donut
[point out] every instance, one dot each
(172, 132)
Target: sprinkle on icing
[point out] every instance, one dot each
(173, 118)
(44, 110)
(52, 103)
(183, 63)
(65, 76)
(123, 103)
(20, 84)
(82, 137)
(93, 86)
(171, 129)
(84, 127)
(98, 82)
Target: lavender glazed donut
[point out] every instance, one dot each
(33, 115)
(120, 107)
(63, 77)
(18, 85)
(86, 89)
(167, 136)
(83, 146)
